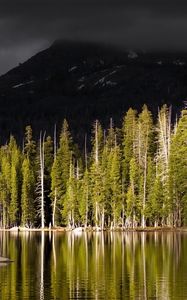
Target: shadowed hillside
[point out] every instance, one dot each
(85, 81)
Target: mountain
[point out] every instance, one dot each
(84, 81)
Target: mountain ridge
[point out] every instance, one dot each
(86, 81)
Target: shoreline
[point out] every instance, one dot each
(93, 229)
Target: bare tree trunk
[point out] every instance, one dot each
(96, 145)
(144, 188)
(86, 217)
(96, 213)
(86, 214)
(55, 198)
(42, 179)
(133, 208)
(139, 144)
(123, 215)
(156, 223)
(86, 165)
(54, 209)
(134, 219)
(164, 118)
(96, 162)
(123, 205)
(103, 219)
(4, 217)
(72, 219)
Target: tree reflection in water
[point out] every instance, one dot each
(98, 265)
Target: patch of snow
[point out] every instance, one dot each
(100, 81)
(179, 63)
(111, 83)
(15, 228)
(81, 87)
(17, 85)
(72, 69)
(22, 84)
(113, 72)
(105, 82)
(132, 55)
(78, 229)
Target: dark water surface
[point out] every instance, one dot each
(94, 266)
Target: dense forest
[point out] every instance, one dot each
(131, 176)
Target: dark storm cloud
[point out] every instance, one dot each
(28, 26)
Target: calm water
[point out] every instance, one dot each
(94, 266)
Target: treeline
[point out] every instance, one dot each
(132, 176)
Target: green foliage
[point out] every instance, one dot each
(30, 146)
(115, 183)
(28, 194)
(132, 189)
(129, 133)
(16, 177)
(48, 163)
(155, 205)
(178, 169)
(5, 187)
(136, 176)
(84, 198)
(61, 169)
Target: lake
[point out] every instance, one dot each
(126, 265)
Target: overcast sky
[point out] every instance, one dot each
(27, 26)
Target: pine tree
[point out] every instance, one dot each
(55, 183)
(28, 194)
(60, 173)
(40, 181)
(84, 190)
(178, 171)
(115, 183)
(96, 176)
(70, 198)
(144, 141)
(84, 204)
(162, 159)
(49, 157)
(156, 201)
(30, 145)
(151, 180)
(5, 186)
(106, 163)
(29, 179)
(128, 135)
(131, 210)
(15, 182)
